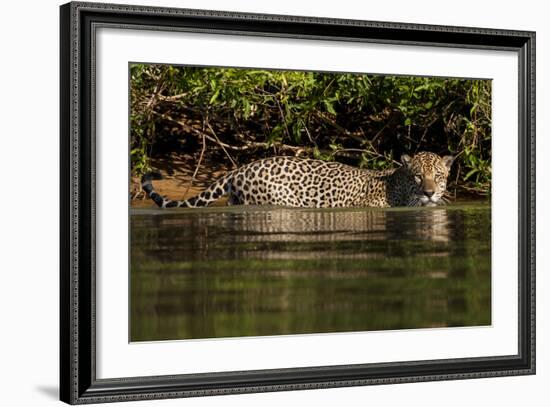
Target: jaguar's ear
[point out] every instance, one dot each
(448, 161)
(406, 160)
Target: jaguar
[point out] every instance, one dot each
(421, 180)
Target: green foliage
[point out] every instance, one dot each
(365, 120)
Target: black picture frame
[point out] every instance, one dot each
(78, 382)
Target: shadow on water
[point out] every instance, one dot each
(251, 271)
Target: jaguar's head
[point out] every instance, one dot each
(428, 174)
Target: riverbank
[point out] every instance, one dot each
(180, 180)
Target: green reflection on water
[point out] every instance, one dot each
(252, 271)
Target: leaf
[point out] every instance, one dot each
(214, 96)
(284, 80)
(470, 173)
(329, 107)
(316, 153)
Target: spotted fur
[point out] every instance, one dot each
(297, 182)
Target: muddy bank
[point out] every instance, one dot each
(178, 182)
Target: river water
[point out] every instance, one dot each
(252, 271)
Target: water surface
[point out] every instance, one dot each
(252, 271)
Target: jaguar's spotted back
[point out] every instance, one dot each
(297, 182)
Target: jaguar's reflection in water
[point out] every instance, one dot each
(266, 271)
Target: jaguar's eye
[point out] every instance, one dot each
(417, 179)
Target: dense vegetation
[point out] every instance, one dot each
(237, 115)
